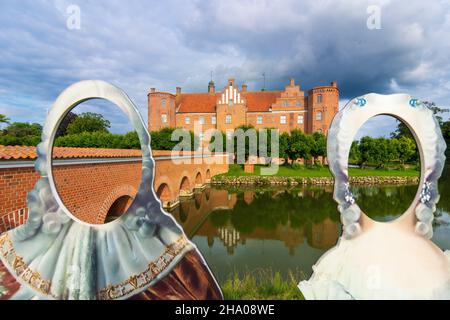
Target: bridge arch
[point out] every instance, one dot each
(198, 180)
(185, 189)
(124, 192)
(164, 194)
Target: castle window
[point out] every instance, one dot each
(187, 120)
(319, 116)
(259, 120)
(299, 119)
(283, 119)
(163, 103)
(285, 104)
(319, 98)
(164, 118)
(213, 120)
(201, 120)
(228, 119)
(298, 103)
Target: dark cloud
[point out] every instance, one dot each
(141, 44)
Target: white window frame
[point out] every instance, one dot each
(319, 116)
(319, 98)
(164, 118)
(300, 119)
(259, 120)
(201, 120)
(283, 119)
(228, 119)
(187, 120)
(213, 120)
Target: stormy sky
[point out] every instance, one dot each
(141, 44)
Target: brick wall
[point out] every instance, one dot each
(90, 190)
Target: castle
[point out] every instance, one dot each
(232, 107)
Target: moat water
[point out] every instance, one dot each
(289, 228)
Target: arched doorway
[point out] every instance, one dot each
(118, 208)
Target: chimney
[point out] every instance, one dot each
(211, 87)
(292, 82)
(334, 84)
(178, 91)
(244, 88)
(231, 82)
(152, 90)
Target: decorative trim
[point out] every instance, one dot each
(144, 278)
(20, 269)
(33, 278)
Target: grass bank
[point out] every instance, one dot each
(262, 284)
(321, 171)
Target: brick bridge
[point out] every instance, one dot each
(97, 185)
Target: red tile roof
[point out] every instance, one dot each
(198, 102)
(29, 153)
(205, 102)
(24, 153)
(260, 101)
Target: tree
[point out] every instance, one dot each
(88, 122)
(406, 149)
(355, 153)
(23, 129)
(374, 151)
(299, 146)
(318, 145)
(403, 130)
(446, 130)
(4, 119)
(284, 146)
(68, 119)
(162, 139)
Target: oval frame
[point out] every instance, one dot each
(70, 98)
(430, 142)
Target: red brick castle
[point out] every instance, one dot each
(233, 106)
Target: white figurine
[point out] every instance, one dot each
(384, 260)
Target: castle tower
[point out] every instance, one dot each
(323, 104)
(161, 111)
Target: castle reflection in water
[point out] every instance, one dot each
(288, 228)
(235, 216)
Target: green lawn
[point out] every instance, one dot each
(305, 171)
(262, 284)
